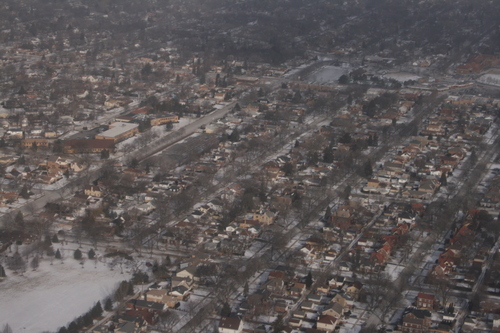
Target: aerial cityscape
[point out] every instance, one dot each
(249, 166)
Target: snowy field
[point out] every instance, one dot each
(53, 295)
(402, 77)
(327, 75)
(491, 79)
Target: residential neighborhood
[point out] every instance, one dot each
(164, 167)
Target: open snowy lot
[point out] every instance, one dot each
(327, 74)
(53, 295)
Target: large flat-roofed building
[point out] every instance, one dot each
(163, 119)
(79, 146)
(119, 131)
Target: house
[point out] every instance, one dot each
(315, 298)
(354, 289)
(94, 191)
(337, 282)
(416, 321)
(326, 323)
(275, 286)
(127, 327)
(138, 304)
(264, 216)
(34, 142)
(335, 310)
(425, 301)
(161, 296)
(323, 289)
(308, 306)
(135, 172)
(443, 327)
(230, 325)
(188, 272)
(180, 292)
(295, 322)
(299, 314)
(297, 289)
(100, 329)
(151, 318)
(429, 186)
(281, 306)
(181, 281)
(344, 300)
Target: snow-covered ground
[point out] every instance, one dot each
(491, 79)
(53, 295)
(402, 77)
(327, 74)
(157, 131)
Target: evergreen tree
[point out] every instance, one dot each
(226, 310)
(121, 291)
(328, 213)
(130, 290)
(134, 163)
(309, 280)
(19, 219)
(328, 155)
(104, 154)
(108, 305)
(96, 310)
(443, 180)
(35, 262)
(47, 242)
(77, 254)
(63, 330)
(344, 79)
(7, 329)
(91, 254)
(473, 157)
(167, 261)
(288, 168)
(347, 192)
(367, 169)
(234, 136)
(24, 192)
(73, 327)
(245, 289)
(58, 254)
(87, 319)
(16, 263)
(297, 97)
(278, 325)
(55, 239)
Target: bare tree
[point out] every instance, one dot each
(376, 288)
(167, 321)
(442, 288)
